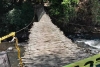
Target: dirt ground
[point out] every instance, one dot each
(49, 47)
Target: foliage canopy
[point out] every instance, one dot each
(16, 18)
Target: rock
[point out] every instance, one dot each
(10, 48)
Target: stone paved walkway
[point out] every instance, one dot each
(48, 47)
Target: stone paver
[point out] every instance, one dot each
(48, 47)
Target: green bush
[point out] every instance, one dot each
(96, 12)
(63, 9)
(69, 9)
(80, 13)
(4, 8)
(17, 18)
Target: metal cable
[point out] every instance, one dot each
(26, 26)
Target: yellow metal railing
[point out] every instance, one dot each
(12, 34)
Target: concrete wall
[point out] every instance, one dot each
(39, 11)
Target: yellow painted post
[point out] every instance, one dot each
(0, 40)
(18, 49)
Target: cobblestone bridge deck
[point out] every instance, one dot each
(48, 47)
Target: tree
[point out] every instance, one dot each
(16, 18)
